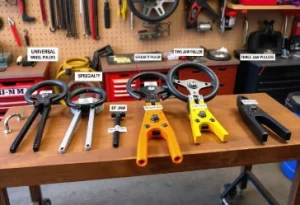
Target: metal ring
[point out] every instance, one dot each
(170, 77)
(46, 83)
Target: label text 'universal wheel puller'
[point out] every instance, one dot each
(155, 123)
(201, 118)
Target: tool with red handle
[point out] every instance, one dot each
(11, 23)
(22, 7)
(93, 26)
(43, 11)
(194, 8)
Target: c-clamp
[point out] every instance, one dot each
(42, 105)
(201, 118)
(83, 106)
(155, 123)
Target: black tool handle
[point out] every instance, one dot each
(14, 146)
(27, 40)
(39, 134)
(116, 134)
(106, 14)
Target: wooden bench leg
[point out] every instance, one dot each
(244, 182)
(36, 195)
(294, 198)
(4, 200)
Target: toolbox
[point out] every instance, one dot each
(258, 2)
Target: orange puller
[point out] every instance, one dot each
(155, 123)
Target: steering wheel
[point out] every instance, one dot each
(53, 97)
(193, 86)
(153, 5)
(148, 91)
(88, 105)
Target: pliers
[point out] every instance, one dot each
(11, 23)
(255, 117)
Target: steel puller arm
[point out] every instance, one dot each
(155, 123)
(201, 119)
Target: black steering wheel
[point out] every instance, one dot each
(79, 91)
(54, 97)
(153, 5)
(193, 86)
(148, 91)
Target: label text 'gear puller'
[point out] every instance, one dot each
(155, 123)
(84, 106)
(201, 118)
(42, 105)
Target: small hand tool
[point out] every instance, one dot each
(131, 21)
(43, 12)
(19, 116)
(255, 117)
(22, 7)
(42, 105)
(26, 38)
(123, 9)
(117, 112)
(96, 19)
(201, 119)
(11, 23)
(106, 14)
(194, 8)
(92, 13)
(52, 15)
(84, 106)
(155, 123)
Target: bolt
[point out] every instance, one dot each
(164, 124)
(147, 126)
(197, 120)
(212, 119)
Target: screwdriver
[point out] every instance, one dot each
(106, 14)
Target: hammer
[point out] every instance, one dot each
(116, 135)
(22, 7)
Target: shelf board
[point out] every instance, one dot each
(249, 7)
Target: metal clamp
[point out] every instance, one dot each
(7, 130)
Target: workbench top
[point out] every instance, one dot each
(17, 71)
(48, 166)
(157, 65)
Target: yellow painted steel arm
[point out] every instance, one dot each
(160, 128)
(202, 119)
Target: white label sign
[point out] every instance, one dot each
(257, 57)
(88, 76)
(86, 100)
(150, 83)
(148, 57)
(118, 108)
(197, 106)
(19, 91)
(153, 107)
(249, 102)
(189, 52)
(46, 91)
(117, 128)
(42, 54)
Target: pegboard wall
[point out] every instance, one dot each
(120, 36)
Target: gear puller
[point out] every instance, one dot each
(84, 106)
(155, 123)
(42, 105)
(201, 118)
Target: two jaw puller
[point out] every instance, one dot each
(155, 123)
(201, 119)
(83, 107)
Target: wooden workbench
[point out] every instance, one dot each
(107, 68)
(48, 166)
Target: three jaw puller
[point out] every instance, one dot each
(201, 118)
(155, 123)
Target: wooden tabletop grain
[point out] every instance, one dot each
(48, 166)
(17, 71)
(158, 65)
